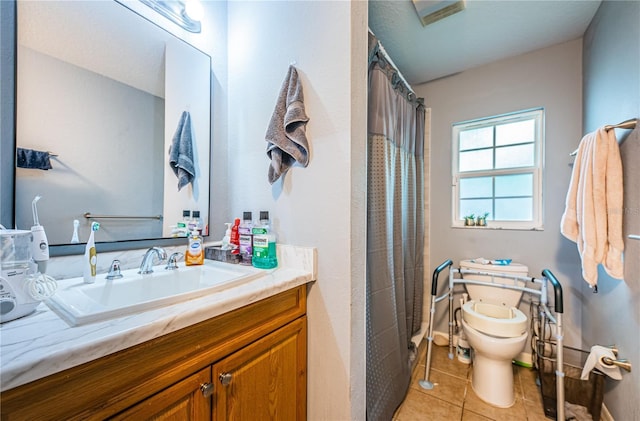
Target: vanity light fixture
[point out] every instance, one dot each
(193, 9)
(185, 13)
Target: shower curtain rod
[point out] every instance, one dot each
(388, 58)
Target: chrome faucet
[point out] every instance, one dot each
(146, 266)
(114, 270)
(172, 262)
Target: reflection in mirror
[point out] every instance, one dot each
(102, 90)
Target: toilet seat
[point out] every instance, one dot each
(495, 320)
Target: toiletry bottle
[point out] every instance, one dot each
(246, 238)
(182, 227)
(198, 221)
(235, 237)
(264, 244)
(192, 224)
(90, 258)
(195, 250)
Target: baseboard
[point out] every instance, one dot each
(605, 415)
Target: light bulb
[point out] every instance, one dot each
(193, 9)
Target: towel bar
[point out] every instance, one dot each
(627, 124)
(89, 215)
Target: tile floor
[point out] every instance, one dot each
(453, 397)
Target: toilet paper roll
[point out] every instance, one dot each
(594, 360)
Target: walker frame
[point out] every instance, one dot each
(547, 276)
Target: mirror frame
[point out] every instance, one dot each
(8, 68)
(8, 72)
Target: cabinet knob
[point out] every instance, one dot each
(207, 389)
(225, 378)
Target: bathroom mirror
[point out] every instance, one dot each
(103, 89)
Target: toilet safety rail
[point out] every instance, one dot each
(547, 277)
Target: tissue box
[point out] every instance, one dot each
(225, 256)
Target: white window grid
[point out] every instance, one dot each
(537, 221)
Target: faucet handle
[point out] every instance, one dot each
(114, 270)
(172, 262)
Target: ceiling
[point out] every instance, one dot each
(486, 31)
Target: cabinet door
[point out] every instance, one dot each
(184, 400)
(266, 380)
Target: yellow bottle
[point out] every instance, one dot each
(195, 251)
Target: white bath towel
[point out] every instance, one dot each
(593, 213)
(286, 135)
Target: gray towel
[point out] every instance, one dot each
(29, 158)
(181, 152)
(286, 135)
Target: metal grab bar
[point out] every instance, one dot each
(89, 215)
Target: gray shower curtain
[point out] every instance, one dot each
(395, 233)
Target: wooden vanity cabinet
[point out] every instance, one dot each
(182, 401)
(265, 380)
(247, 364)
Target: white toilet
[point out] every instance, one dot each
(495, 329)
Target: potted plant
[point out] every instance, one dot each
(481, 221)
(469, 220)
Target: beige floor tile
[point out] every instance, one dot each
(530, 390)
(473, 403)
(535, 411)
(421, 406)
(472, 416)
(453, 397)
(440, 361)
(446, 387)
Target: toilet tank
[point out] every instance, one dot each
(491, 294)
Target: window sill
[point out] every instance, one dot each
(501, 228)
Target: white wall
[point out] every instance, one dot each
(321, 205)
(549, 78)
(612, 94)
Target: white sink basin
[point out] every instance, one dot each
(79, 303)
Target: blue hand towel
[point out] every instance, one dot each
(29, 158)
(181, 152)
(286, 135)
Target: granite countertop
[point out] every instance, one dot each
(42, 343)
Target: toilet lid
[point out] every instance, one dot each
(495, 320)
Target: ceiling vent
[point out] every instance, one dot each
(432, 11)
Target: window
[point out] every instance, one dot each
(497, 170)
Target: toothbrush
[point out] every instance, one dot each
(75, 239)
(91, 259)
